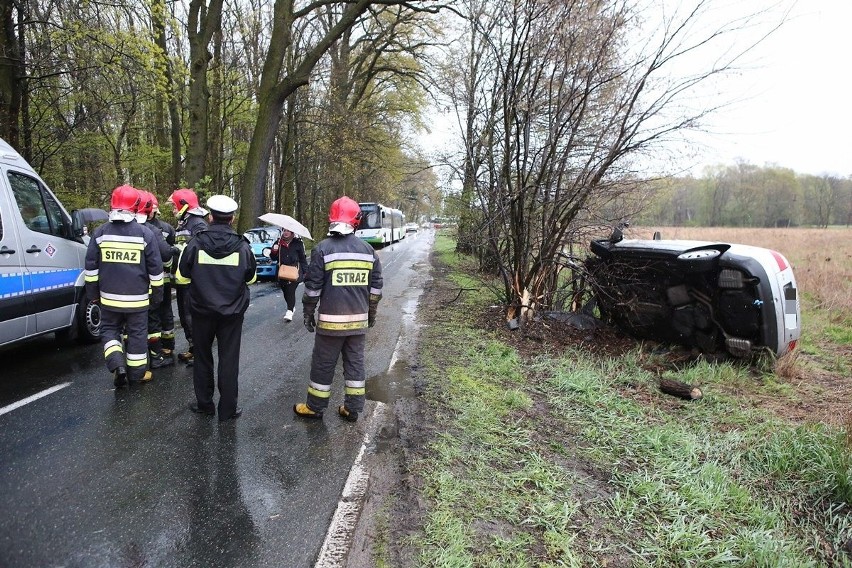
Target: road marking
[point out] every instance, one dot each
(338, 539)
(32, 398)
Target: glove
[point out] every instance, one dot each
(371, 314)
(310, 323)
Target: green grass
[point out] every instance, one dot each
(574, 460)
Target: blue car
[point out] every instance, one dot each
(263, 238)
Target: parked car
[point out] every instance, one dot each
(411, 228)
(717, 297)
(260, 238)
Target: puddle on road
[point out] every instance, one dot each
(396, 383)
(392, 385)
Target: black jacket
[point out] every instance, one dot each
(291, 255)
(219, 264)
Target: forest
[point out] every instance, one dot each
(745, 195)
(284, 105)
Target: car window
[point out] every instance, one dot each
(40, 211)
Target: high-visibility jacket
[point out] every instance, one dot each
(345, 277)
(123, 266)
(187, 228)
(218, 264)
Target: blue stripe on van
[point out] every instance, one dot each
(17, 283)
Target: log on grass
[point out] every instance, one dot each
(680, 390)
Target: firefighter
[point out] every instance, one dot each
(219, 265)
(122, 263)
(165, 314)
(345, 279)
(157, 318)
(190, 216)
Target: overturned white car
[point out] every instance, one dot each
(716, 297)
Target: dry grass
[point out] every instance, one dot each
(821, 259)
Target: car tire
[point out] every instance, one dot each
(88, 321)
(700, 260)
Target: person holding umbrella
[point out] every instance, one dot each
(290, 251)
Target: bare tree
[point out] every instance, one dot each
(574, 103)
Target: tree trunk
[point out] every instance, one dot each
(204, 21)
(11, 73)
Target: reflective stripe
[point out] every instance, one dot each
(112, 347)
(94, 278)
(115, 304)
(339, 264)
(375, 294)
(156, 279)
(137, 359)
(312, 293)
(119, 239)
(232, 259)
(355, 391)
(342, 317)
(319, 387)
(356, 384)
(335, 256)
(342, 326)
(124, 297)
(319, 394)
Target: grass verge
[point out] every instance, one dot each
(568, 458)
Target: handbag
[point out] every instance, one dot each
(288, 273)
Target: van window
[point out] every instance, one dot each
(40, 211)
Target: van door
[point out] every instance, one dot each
(52, 257)
(14, 310)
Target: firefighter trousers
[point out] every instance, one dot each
(184, 313)
(327, 350)
(135, 325)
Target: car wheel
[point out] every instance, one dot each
(699, 260)
(89, 321)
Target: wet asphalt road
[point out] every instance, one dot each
(94, 476)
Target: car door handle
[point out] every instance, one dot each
(6, 250)
(33, 249)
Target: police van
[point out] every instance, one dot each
(42, 254)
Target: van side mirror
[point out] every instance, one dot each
(81, 217)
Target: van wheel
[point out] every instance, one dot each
(88, 321)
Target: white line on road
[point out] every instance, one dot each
(338, 539)
(30, 399)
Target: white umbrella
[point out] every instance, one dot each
(286, 222)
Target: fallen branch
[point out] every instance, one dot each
(680, 390)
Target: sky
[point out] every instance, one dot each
(792, 102)
(796, 105)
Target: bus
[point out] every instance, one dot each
(380, 225)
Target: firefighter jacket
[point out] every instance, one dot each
(345, 277)
(168, 233)
(123, 265)
(187, 228)
(219, 265)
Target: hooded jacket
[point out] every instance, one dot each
(219, 264)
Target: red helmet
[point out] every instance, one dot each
(345, 210)
(146, 206)
(184, 198)
(126, 198)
